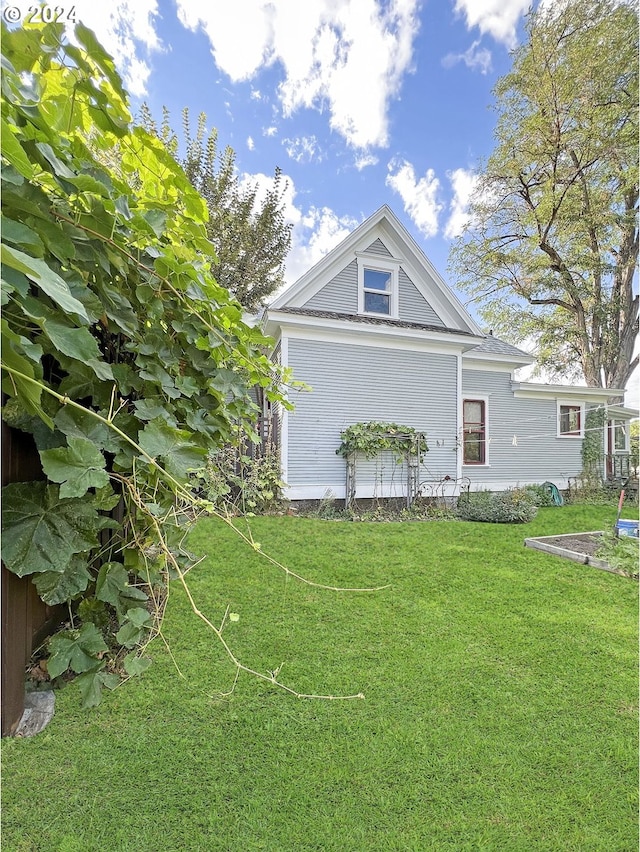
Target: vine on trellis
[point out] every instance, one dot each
(374, 437)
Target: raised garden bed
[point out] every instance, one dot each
(579, 547)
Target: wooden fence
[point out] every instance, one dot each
(26, 620)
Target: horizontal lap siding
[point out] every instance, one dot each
(352, 384)
(378, 247)
(539, 454)
(412, 305)
(340, 294)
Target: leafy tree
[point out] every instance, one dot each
(552, 245)
(121, 355)
(249, 232)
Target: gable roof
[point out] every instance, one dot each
(384, 225)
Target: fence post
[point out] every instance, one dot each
(25, 618)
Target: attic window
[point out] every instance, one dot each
(377, 291)
(378, 286)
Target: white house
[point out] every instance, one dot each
(378, 335)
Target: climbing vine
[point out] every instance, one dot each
(369, 439)
(592, 444)
(122, 358)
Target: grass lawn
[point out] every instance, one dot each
(501, 704)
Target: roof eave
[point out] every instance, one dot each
(586, 393)
(279, 319)
(512, 360)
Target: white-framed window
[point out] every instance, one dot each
(475, 442)
(570, 419)
(378, 286)
(619, 430)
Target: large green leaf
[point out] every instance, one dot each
(80, 344)
(76, 650)
(40, 532)
(104, 62)
(112, 580)
(82, 424)
(13, 151)
(28, 392)
(19, 234)
(78, 467)
(138, 622)
(91, 684)
(55, 588)
(48, 280)
(112, 586)
(135, 665)
(55, 237)
(160, 440)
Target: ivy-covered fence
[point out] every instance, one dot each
(121, 355)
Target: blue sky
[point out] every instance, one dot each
(359, 102)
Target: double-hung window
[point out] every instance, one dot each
(474, 431)
(378, 285)
(377, 291)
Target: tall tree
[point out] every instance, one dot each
(247, 228)
(552, 245)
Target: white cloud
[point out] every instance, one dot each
(270, 131)
(125, 28)
(419, 196)
(239, 32)
(473, 58)
(316, 230)
(304, 149)
(499, 18)
(347, 55)
(365, 160)
(464, 183)
(314, 234)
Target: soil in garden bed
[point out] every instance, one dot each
(586, 543)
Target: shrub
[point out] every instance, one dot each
(620, 552)
(507, 507)
(540, 495)
(591, 492)
(237, 482)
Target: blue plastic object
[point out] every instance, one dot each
(627, 528)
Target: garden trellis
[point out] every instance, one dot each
(405, 444)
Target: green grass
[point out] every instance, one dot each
(500, 711)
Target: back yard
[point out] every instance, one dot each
(500, 710)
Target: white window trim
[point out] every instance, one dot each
(379, 264)
(572, 403)
(612, 424)
(476, 397)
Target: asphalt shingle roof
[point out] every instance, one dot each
(312, 312)
(491, 345)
